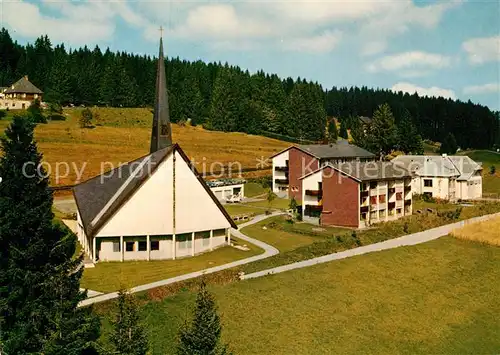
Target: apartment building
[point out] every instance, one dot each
(356, 194)
(445, 177)
(296, 161)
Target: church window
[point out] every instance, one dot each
(155, 245)
(116, 247)
(184, 241)
(164, 129)
(143, 245)
(129, 246)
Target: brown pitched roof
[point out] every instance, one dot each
(23, 86)
(95, 198)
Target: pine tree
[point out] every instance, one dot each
(332, 131)
(39, 277)
(35, 113)
(382, 135)
(202, 335)
(409, 139)
(343, 129)
(449, 145)
(128, 337)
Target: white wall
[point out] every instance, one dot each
(311, 183)
(149, 210)
(279, 160)
(223, 192)
(14, 104)
(440, 186)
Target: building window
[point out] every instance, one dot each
(116, 247)
(373, 215)
(398, 211)
(373, 200)
(129, 246)
(363, 216)
(428, 182)
(373, 185)
(381, 214)
(155, 245)
(381, 198)
(164, 130)
(143, 245)
(399, 196)
(184, 241)
(206, 240)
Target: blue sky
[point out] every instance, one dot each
(440, 48)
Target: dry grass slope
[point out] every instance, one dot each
(484, 232)
(121, 135)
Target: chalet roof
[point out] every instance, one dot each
(99, 198)
(3, 88)
(23, 86)
(365, 120)
(368, 171)
(330, 151)
(460, 167)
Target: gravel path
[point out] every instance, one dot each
(410, 239)
(268, 251)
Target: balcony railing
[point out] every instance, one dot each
(313, 192)
(281, 168)
(363, 209)
(281, 181)
(364, 193)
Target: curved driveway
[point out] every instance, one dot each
(268, 251)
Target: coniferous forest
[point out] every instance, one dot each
(224, 97)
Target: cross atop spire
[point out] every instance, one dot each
(161, 31)
(161, 134)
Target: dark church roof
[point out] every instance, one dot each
(23, 86)
(161, 134)
(100, 197)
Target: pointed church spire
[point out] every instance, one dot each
(161, 134)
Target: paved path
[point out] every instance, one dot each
(406, 240)
(268, 251)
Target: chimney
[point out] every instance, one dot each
(26, 77)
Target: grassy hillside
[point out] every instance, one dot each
(121, 135)
(491, 183)
(436, 298)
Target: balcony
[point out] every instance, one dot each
(281, 181)
(392, 205)
(407, 188)
(281, 168)
(314, 192)
(364, 209)
(364, 193)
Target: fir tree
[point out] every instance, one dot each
(449, 145)
(332, 131)
(409, 139)
(202, 335)
(35, 113)
(128, 337)
(382, 135)
(343, 130)
(39, 277)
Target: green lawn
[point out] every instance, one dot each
(236, 209)
(440, 297)
(253, 189)
(278, 203)
(111, 276)
(283, 240)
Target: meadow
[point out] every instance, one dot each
(491, 182)
(433, 298)
(121, 135)
(485, 232)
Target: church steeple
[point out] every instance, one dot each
(161, 134)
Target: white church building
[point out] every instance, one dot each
(154, 208)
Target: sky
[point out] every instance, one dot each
(436, 48)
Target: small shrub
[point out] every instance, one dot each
(293, 204)
(3, 113)
(339, 239)
(406, 227)
(493, 170)
(299, 217)
(86, 118)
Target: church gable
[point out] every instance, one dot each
(149, 210)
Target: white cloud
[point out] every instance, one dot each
(410, 64)
(323, 43)
(482, 89)
(373, 47)
(432, 91)
(79, 24)
(482, 50)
